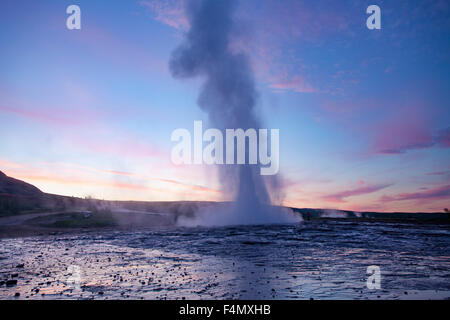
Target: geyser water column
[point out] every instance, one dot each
(228, 94)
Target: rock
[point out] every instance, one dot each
(20, 265)
(17, 294)
(11, 282)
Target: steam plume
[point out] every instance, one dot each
(228, 96)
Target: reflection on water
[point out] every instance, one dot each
(317, 259)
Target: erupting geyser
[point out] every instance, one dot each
(228, 96)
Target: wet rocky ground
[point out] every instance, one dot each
(325, 259)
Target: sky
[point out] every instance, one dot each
(363, 114)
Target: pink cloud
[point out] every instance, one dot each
(170, 12)
(97, 135)
(53, 116)
(278, 29)
(402, 137)
(443, 138)
(407, 129)
(264, 51)
(340, 196)
(121, 51)
(296, 19)
(442, 192)
(438, 173)
(296, 84)
(10, 164)
(124, 147)
(69, 174)
(190, 186)
(72, 106)
(56, 178)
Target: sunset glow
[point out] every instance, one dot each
(363, 115)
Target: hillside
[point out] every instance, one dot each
(11, 186)
(17, 196)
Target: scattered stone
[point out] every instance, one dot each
(11, 282)
(20, 265)
(17, 294)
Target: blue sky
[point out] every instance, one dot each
(363, 114)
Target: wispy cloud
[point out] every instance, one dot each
(443, 138)
(169, 12)
(53, 116)
(407, 129)
(340, 197)
(296, 84)
(265, 55)
(193, 187)
(9, 164)
(403, 140)
(442, 192)
(125, 147)
(97, 136)
(62, 173)
(83, 181)
(438, 173)
(401, 136)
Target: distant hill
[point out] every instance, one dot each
(15, 187)
(310, 213)
(17, 195)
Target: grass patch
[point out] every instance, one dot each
(76, 220)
